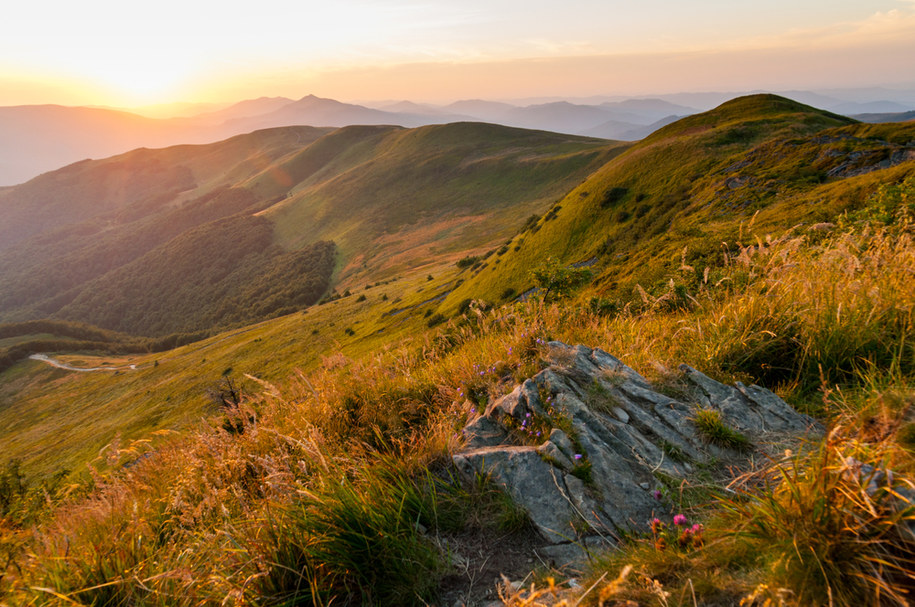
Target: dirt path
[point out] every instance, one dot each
(56, 363)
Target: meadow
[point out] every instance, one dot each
(333, 486)
(306, 459)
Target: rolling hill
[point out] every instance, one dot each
(674, 197)
(227, 226)
(42, 138)
(762, 241)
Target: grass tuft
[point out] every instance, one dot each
(353, 543)
(827, 526)
(712, 428)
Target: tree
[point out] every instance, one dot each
(557, 281)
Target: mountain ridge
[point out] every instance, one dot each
(74, 238)
(699, 177)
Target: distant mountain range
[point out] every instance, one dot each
(40, 138)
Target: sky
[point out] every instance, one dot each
(120, 53)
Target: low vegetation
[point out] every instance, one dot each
(335, 485)
(222, 274)
(257, 513)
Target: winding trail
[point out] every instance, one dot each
(56, 363)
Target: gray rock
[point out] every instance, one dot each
(621, 414)
(612, 432)
(531, 482)
(550, 452)
(562, 442)
(483, 431)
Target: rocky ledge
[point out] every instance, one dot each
(587, 446)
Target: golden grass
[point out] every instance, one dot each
(189, 522)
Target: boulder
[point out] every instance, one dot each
(583, 445)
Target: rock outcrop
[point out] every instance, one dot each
(587, 444)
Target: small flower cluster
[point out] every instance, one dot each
(483, 371)
(531, 345)
(532, 428)
(681, 533)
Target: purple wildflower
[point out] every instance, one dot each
(657, 494)
(577, 456)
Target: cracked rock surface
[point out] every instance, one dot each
(583, 444)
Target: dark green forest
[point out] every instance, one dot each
(215, 276)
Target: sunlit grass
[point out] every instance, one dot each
(354, 450)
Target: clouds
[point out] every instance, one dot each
(175, 49)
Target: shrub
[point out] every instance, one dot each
(557, 281)
(613, 196)
(466, 262)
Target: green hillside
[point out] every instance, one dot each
(168, 389)
(95, 243)
(306, 459)
(674, 197)
(401, 195)
(43, 267)
(138, 183)
(219, 274)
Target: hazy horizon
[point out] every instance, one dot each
(104, 53)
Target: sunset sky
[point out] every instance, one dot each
(112, 52)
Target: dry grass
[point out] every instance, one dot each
(250, 510)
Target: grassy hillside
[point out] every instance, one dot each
(219, 274)
(401, 195)
(43, 267)
(676, 196)
(305, 459)
(168, 390)
(138, 182)
(98, 227)
(257, 504)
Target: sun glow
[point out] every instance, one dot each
(116, 53)
(140, 81)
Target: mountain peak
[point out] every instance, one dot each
(756, 107)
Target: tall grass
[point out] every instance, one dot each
(352, 542)
(832, 527)
(325, 490)
(801, 316)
